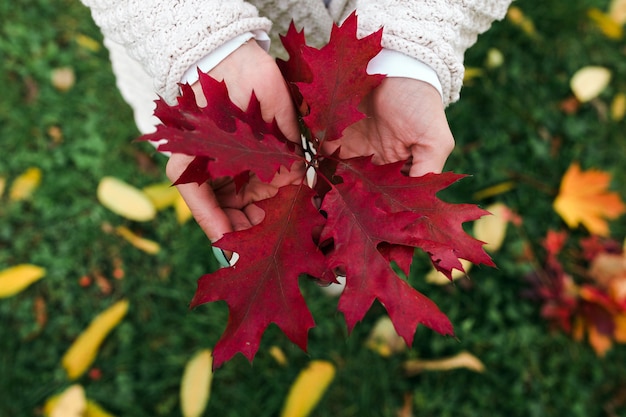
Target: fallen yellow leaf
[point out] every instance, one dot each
(24, 185)
(607, 25)
(278, 355)
(83, 351)
(461, 360)
(617, 11)
(87, 42)
(17, 278)
(308, 388)
(492, 229)
(519, 19)
(183, 214)
(384, 339)
(91, 408)
(63, 79)
(125, 200)
(438, 278)
(70, 403)
(146, 245)
(583, 199)
(195, 387)
(618, 107)
(588, 82)
(162, 195)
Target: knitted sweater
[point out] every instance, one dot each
(166, 37)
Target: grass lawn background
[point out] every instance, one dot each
(509, 126)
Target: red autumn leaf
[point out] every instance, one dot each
(341, 82)
(370, 206)
(262, 287)
(221, 135)
(373, 215)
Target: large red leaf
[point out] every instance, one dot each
(340, 81)
(225, 140)
(262, 287)
(374, 214)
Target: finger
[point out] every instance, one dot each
(430, 156)
(200, 199)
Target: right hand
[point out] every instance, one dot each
(215, 205)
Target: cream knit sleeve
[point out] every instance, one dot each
(168, 36)
(437, 32)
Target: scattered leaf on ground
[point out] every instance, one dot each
(618, 107)
(617, 11)
(195, 386)
(70, 403)
(63, 78)
(278, 355)
(588, 82)
(609, 27)
(461, 360)
(87, 42)
(17, 278)
(125, 200)
(83, 351)
(492, 229)
(3, 183)
(146, 245)
(94, 409)
(25, 184)
(183, 214)
(583, 198)
(162, 195)
(384, 340)
(519, 19)
(308, 388)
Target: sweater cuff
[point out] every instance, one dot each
(396, 64)
(210, 61)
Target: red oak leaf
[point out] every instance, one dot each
(341, 82)
(262, 287)
(221, 136)
(374, 214)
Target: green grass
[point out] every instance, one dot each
(508, 126)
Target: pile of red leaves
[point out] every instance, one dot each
(357, 219)
(590, 301)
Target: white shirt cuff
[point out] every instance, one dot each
(396, 64)
(211, 60)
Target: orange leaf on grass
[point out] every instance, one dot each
(583, 198)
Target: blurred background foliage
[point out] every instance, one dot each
(512, 124)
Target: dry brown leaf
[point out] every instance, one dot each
(308, 388)
(16, 278)
(588, 82)
(83, 351)
(125, 200)
(195, 387)
(461, 360)
(63, 78)
(25, 184)
(146, 245)
(583, 198)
